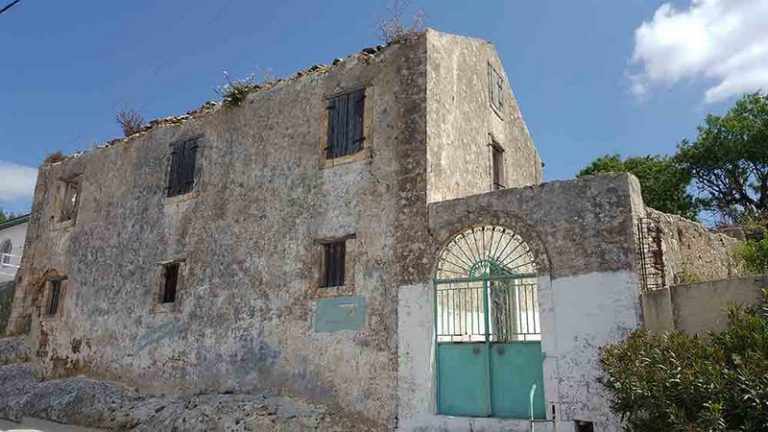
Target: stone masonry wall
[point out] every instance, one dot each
(248, 237)
(687, 252)
(461, 122)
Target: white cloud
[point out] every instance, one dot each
(725, 41)
(17, 182)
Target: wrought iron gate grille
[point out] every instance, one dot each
(512, 305)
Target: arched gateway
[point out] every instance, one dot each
(488, 333)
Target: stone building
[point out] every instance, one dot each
(371, 235)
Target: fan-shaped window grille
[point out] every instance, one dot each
(485, 251)
(485, 288)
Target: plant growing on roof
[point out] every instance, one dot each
(130, 121)
(234, 92)
(392, 28)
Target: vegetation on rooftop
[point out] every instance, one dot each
(393, 28)
(130, 121)
(234, 91)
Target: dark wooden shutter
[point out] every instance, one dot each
(357, 109)
(181, 177)
(174, 169)
(53, 304)
(345, 124)
(335, 256)
(190, 160)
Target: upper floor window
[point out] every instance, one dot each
(334, 261)
(70, 200)
(497, 162)
(345, 124)
(181, 178)
(495, 89)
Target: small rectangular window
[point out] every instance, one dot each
(170, 282)
(335, 256)
(495, 89)
(70, 200)
(181, 177)
(498, 167)
(54, 297)
(345, 124)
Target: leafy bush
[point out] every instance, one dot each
(680, 383)
(754, 254)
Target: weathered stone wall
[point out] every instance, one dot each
(461, 122)
(582, 235)
(7, 290)
(688, 251)
(248, 236)
(698, 308)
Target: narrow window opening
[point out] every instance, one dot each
(499, 180)
(70, 200)
(181, 177)
(55, 296)
(170, 282)
(345, 124)
(335, 256)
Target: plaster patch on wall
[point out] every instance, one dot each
(155, 335)
(340, 313)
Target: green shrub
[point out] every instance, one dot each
(675, 382)
(754, 254)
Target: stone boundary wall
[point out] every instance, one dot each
(688, 251)
(699, 307)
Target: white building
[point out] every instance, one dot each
(12, 235)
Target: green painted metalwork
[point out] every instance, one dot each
(515, 367)
(488, 355)
(339, 313)
(463, 378)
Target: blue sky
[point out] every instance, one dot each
(68, 67)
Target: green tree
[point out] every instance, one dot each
(3, 217)
(664, 183)
(675, 382)
(728, 161)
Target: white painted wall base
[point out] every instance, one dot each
(579, 314)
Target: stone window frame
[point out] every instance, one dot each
(316, 289)
(199, 170)
(47, 297)
(174, 307)
(495, 148)
(65, 216)
(496, 84)
(365, 152)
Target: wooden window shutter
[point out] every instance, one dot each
(335, 256)
(357, 109)
(345, 124)
(53, 304)
(181, 177)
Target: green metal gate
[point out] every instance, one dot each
(488, 337)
